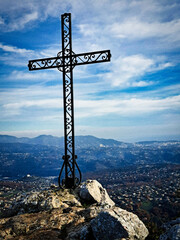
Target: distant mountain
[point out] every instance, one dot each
(91, 141)
(42, 155)
(48, 140)
(8, 139)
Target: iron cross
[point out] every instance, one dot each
(65, 61)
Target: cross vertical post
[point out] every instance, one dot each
(65, 61)
(69, 156)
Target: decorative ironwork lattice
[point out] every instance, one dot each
(65, 61)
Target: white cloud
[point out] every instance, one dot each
(142, 84)
(125, 71)
(86, 108)
(13, 49)
(23, 55)
(36, 91)
(88, 30)
(45, 103)
(21, 22)
(144, 18)
(16, 103)
(135, 28)
(49, 51)
(129, 107)
(41, 76)
(20, 13)
(165, 91)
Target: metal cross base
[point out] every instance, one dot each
(65, 61)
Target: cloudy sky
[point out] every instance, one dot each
(134, 97)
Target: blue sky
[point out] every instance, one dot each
(134, 97)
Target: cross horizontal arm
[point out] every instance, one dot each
(76, 59)
(72, 60)
(45, 63)
(92, 57)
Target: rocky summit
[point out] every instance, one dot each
(86, 213)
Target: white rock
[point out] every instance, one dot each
(117, 223)
(92, 191)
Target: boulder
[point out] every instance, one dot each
(117, 223)
(92, 191)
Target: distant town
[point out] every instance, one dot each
(151, 191)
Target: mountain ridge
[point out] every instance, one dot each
(50, 140)
(80, 141)
(42, 158)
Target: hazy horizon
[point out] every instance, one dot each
(138, 140)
